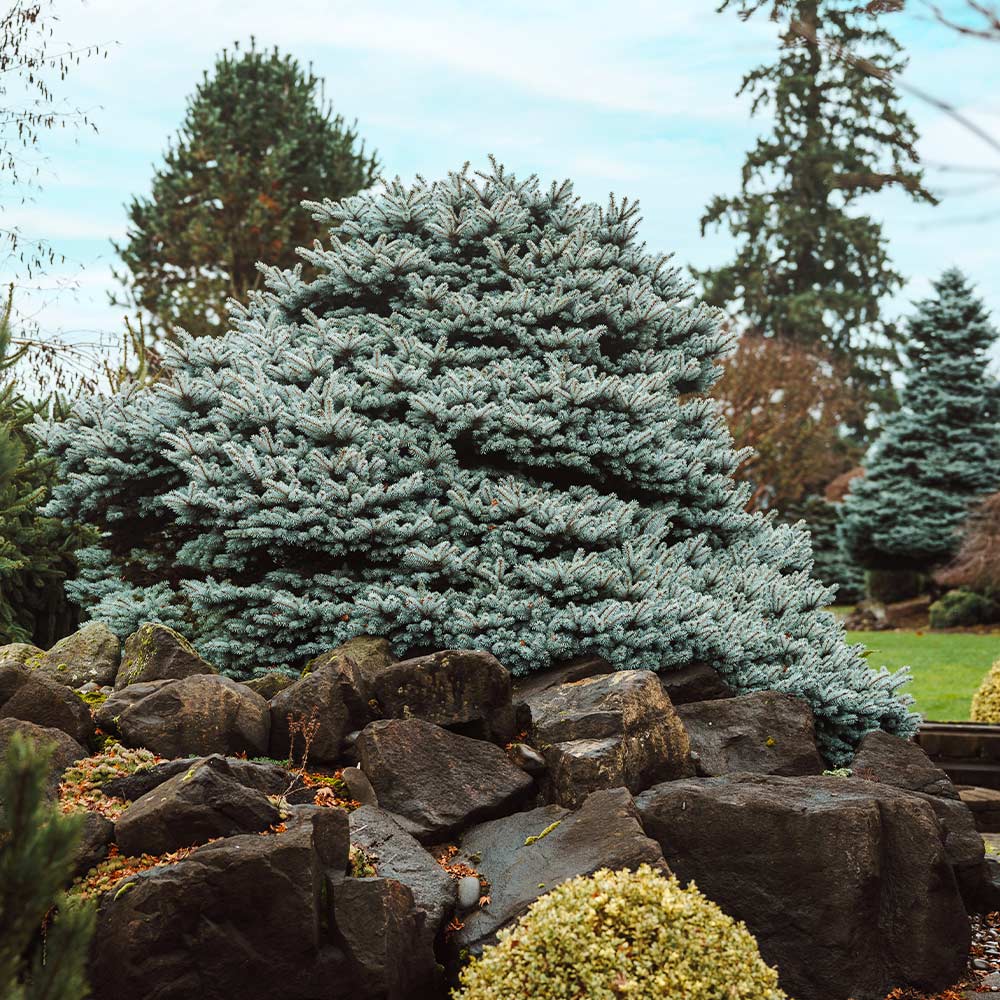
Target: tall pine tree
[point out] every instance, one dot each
(810, 266)
(258, 138)
(940, 452)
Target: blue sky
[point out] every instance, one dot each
(634, 97)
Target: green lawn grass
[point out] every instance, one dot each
(947, 667)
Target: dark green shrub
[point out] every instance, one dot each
(962, 608)
(37, 849)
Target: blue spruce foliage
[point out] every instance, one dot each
(940, 452)
(485, 424)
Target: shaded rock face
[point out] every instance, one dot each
(267, 778)
(65, 750)
(261, 917)
(697, 682)
(33, 697)
(203, 802)
(197, 929)
(891, 760)
(269, 684)
(766, 732)
(437, 781)
(96, 836)
(155, 653)
(383, 935)
(88, 656)
(199, 715)
(530, 853)
(333, 695)
(400, 856)
(846, 885)
(464, 690)
(607, 731)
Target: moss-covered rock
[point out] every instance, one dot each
(157, 652)
(19, 654)
(986, 701)
(90, 655)
(269, 684)
(613, 934)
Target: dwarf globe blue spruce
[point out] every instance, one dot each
(484, 424)
(940, 452)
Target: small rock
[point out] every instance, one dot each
(469, 891)
(269, 684)
(696, 682)
(901, 763)
(527, 758)
(358, 786)
(20, 654)
(157, 652)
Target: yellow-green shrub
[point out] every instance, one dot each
(986, 701)
(639, 935)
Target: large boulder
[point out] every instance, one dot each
(437, 781)
(399, 856)
(157, 652)
(607, 731)
(199, 715)
(88, 656)
(64, 749)
(526, 855)
(32, 697)
(331, 697)
(891, 760)
(464, 690)
(267, 778)
(766, 732)
(241, 917)
(199, 804)
(846, 885)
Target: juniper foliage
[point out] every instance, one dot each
(485, 423)
(37, 850)
(940, 452)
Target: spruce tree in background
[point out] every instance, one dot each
(940, 453)
(37, 852)
(36, 553)
(485, 423)
(810, 266)
(258, 138)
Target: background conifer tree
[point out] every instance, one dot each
(36, 553)
(810, 266)
(258, 138)
(486, 422)
(37, 851)
(940, 452)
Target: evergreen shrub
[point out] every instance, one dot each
(622, 934)
(485, 423)
(962, 608)
(986, 701)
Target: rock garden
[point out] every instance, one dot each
(369, 829)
